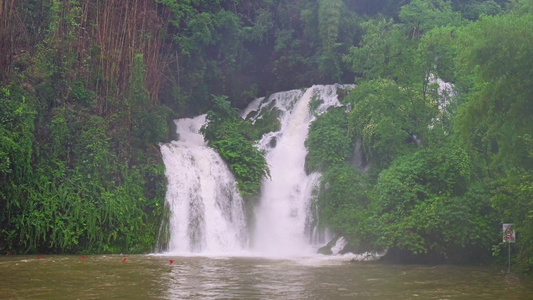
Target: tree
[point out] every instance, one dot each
(495, 53)
(329, 16)
(424, 206)
(473, 9)
(390, 120)
(329, 143)
(494, 122)
(342, 204)
(420, 16)
(378, 55)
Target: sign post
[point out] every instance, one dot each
(509, 236)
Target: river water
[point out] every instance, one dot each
(154, 277)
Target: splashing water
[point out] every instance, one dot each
(284, 215)
(206, 210)
(207, 214)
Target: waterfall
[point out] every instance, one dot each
(284, 218)
(206, 211)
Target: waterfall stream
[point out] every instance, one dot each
(206, 210)
(207, 214)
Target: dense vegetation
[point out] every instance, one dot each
(231, 136)
(88, 88)
(442, 169)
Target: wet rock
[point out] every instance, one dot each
(325, 250)
(273, 142)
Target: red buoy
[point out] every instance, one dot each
(171, 262)
(41, 256)
(124, 260)
(82, 257)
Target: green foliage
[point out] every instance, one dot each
(512, 197)
(138, 93)
(494, 121)
(423, 205)
(420, 16)
(16, 133)
(328, 143)
(225, 48)
(149, 122)
(267, 121)
(521, 7)
(496, 116)
(329, 13)
(473, 9)
(245, 161)
(262, 28)
(423, 202)
(329, 20)
(342, 200)
(390, 120)
(210, 41)
(436, 53)
(376, 55)
(67, 184)
(16, 150)
(81, 93)
(226, 132)
(78, 197)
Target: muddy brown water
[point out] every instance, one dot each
(153, 277)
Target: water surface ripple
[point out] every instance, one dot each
(153, 277)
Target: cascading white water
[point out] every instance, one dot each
(207, 213)
(283, 216)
